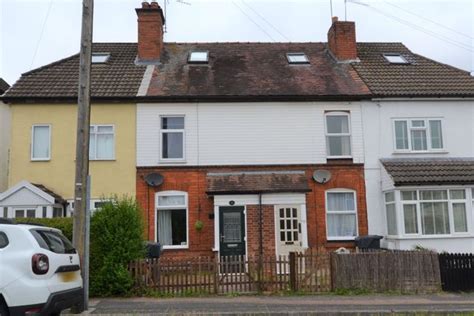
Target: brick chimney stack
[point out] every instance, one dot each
(342, 40)
(150, 32)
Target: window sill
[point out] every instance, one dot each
(338, 157)
(111, 159)
(171, 162)
(175, 247)
(428, 152)
(411, 237)
(340, 239)
(40, 159)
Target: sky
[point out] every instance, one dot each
(37, 32)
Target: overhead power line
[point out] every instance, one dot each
(41, 33)
(266, 21)
(417, 27)
(428, 20)
(253, 21)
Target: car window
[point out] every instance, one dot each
(53, 241)
(3, 240)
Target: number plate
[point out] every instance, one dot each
(68, 276)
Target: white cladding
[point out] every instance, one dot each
(246, 133)
(458, 130)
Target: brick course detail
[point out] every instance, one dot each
(193, 181)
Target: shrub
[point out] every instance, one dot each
(62, 223)
(116, 239)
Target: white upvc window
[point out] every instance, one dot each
(338, 135)
(41, 142)
(341, 214)
(431, 212)
(391, 213)
(172, 219)
(102, 142)
(418, 135)
(172, 137)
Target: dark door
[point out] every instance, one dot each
(232, 230)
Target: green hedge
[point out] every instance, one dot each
(62, 223)
(116, 239)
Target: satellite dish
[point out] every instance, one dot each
(154, 179)
(322, 176)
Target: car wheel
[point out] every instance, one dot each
(3, 309)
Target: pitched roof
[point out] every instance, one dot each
(3, 86)
(118, 77)
(253, 70)
(57, 198)
(421, 77)
(430, 171)
(257, 182)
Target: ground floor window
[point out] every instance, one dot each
(22, 213)
(57, 212)
(172, 219)
(431, 212)
(341, 214)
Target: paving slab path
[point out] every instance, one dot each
(441, 304)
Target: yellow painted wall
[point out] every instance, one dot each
(108, 177)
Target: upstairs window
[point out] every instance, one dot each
(41, 142)
(172, 137)
(395, 59)
(297, 58)
(418, 135)
(198, 57)
(101, 144)
(100, 58)
(338, 135)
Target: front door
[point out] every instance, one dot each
(288, 228)
(232, 231)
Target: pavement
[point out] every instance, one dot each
(438, 304)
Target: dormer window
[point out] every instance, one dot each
(198, 57)
(395, 59)
(297, 58)
(100, 58)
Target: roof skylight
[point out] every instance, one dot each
(297, 58)
(395, 59)
(199, 57)
(99, 58)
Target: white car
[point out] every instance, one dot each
(39, 270)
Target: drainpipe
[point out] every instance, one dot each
(260, 230)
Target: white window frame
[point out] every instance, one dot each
(164, 131)
(105, 56)
(349, 126)
(96, 132)
(33, 142)
(401, 215)
(293, 62)
(341, 190)
(198, 61)
(394, 202)
(427, 130)
(173, 207)
(403, 59)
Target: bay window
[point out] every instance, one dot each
(418, 135)
(430, 212)
(341, 214)
(391, 213)
(172, 219)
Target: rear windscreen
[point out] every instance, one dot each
(53, 241)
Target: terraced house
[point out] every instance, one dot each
(248, 148)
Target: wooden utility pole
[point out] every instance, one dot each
(81, 198)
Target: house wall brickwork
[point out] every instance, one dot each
(192, 179)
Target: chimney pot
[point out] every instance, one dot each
(342, 40)
(150, 32)
(334, 19)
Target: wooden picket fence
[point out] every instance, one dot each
(398, 271)
(311, 272)
(234, 274)
(457, 271)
